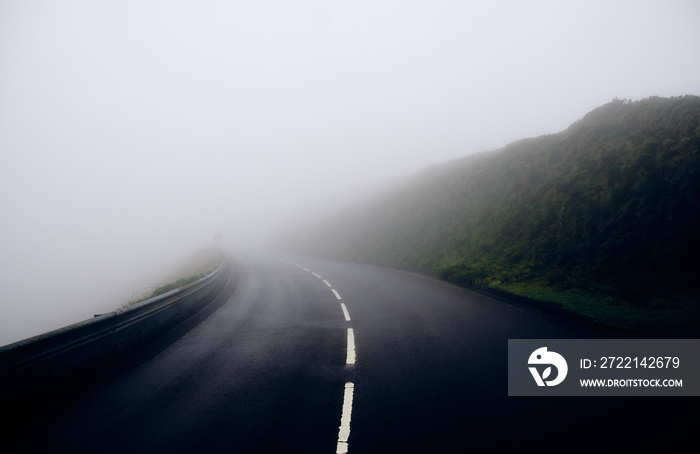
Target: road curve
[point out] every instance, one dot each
(321, 356)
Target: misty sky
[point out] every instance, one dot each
(132, 131)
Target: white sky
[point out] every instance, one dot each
(132, 131)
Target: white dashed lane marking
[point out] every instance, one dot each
(346, 314)
(344, 428)
(350, 360)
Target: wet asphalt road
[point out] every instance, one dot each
(267, 372)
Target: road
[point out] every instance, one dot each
(319, 356)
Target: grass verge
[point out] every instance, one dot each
(198, 266)
(605, 309)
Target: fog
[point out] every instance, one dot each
(132, 131)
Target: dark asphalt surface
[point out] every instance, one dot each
(266, 373)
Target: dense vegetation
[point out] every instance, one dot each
(602, 217)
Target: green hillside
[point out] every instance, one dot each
(602, 218)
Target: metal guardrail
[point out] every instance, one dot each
(35, 364)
